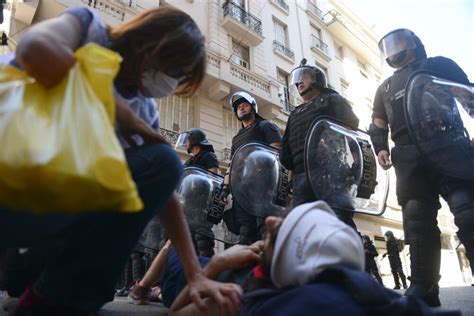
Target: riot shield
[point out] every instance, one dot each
(258, 181)
(198, 193)
(341, 167)
(440, 118)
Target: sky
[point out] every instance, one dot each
(446, 27)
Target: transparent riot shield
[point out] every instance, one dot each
(341, 167)
(258, 181)
(440, 118)
(198, 193)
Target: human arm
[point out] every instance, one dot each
(152, 274)
(46, 51)
(199, 286)
(286, 158)
(130, 124)
(272, 134)
(378, 131)
(236, 257)
(343, 110)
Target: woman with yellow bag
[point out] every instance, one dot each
(163, 53)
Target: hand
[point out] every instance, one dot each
(225, 295)
(384, 159)
(224, 193)
(238, 256)
(130, 124)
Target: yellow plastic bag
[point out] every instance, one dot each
(58, 149)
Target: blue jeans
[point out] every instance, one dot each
(95, 246)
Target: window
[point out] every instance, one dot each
(283, 91)
(362, 69)
(339, 52)
(280, 33)
(240, 54)
(176, 115)
(344, 88)
(325, 70)
(231, 128)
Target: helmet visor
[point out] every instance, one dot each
(396, 42)
(181, 142)
(301, 74)
(241, 96)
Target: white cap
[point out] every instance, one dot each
(311, 239)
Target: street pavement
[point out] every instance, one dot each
(452, 298)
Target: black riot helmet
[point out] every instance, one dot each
(316, 75)
(396, 44)
(240, 97)
(389, 234)
(196, 136)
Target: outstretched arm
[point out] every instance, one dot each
(46, 51)
(199, 286)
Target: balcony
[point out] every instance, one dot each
(170, 136)
(114, 11)
(226, 154)
(314, 10)
(355, 35)
(239, 22)
(287, 105)
(317, 43)
(282, 49)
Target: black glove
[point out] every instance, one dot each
(224, 192)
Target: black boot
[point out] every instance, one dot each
(428, 293)
(425, 265)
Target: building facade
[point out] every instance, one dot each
(253, 46)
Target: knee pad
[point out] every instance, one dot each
(460, 201)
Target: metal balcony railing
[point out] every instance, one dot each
(283, 4)
(171, 137)
(287, 105)
(319, 44)
(226, 154)
(314, 8)
(283, 49)
(240, 14)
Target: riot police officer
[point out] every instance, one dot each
(393, 252)
(370, 254)
(319, 100)
(254, 128)
(418, 184)
(195, 142)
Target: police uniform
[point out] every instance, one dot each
(418, 184)
(331, 104)
(370, 264)
(249, 226)
(204, 159)
(393, 252)
(202, 236)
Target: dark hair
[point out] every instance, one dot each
(165, 38)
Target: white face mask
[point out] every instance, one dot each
(157, 84)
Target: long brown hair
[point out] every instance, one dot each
(164, 38)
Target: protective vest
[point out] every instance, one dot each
(252, 133)
(328, 104)
(393, 98)
(204, 159)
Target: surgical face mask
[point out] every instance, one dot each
(157, 84)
